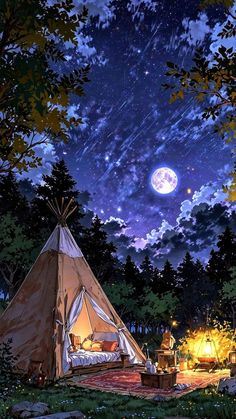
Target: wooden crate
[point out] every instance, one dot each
(166, 358)
(163, 381)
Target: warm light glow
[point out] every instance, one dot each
(189, 190)
(174, 323)
(207, 347)
(195, 344)
(232, 357)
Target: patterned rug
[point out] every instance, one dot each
(128, 382)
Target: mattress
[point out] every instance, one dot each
(83, 358)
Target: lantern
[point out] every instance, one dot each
(232, 356)
(232, 361)
(207, 348)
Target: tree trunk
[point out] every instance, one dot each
(9, 281)
(11, 291)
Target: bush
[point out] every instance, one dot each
(7, 365)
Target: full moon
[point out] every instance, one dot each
(164, 180)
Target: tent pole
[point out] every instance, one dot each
(85, 301)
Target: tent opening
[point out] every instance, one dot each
(89, 322)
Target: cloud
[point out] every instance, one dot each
(216, 41)
(207, 195)
(196, 30)
(198, 234)
(115, 226)
(48, 155)
(197, 228)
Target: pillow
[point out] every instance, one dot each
(87, 343)
(108, 336)
(97, 346)
(110, 345)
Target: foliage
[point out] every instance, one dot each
(158, 308)
(11, 198)
(222, 259)
(132, 276)
(98, 251)
(36, 79)
(211, 80)
(147, 272)
(229, 288)
(120, 295)
(192, 281)
(231, 189)
(7, 364)
(15, 252)
(205, 403)
(3, 306)
(59, 183)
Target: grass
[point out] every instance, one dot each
(98, 405)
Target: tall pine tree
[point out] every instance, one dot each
(168, 279)
(130, 272)
(98, 251)
(219, 268)
(223, 259)
(59, 184)
(147, 271)
(11, 198)
(188, 283)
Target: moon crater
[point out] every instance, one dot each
(164, 180)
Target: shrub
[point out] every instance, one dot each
(8, 379)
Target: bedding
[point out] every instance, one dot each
(83, 358)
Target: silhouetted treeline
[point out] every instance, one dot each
(146, 297)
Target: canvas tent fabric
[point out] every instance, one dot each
(59, 295)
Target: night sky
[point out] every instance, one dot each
(130, 129)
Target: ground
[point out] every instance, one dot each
(202, 404)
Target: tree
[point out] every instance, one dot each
(211, 81)
(229, 295)
(223, 259)
(146, 271)
(193, 282)
(16, 252)
(168, 279)
(156, 281)
(55, 186)
(186, 271)
(98, 251)
(156, 309)
(219, 270)
(120, 295)
(132, 276)
(11, 198)
(36, 79)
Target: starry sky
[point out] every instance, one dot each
(130, 129)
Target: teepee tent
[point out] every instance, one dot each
(60, 295)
